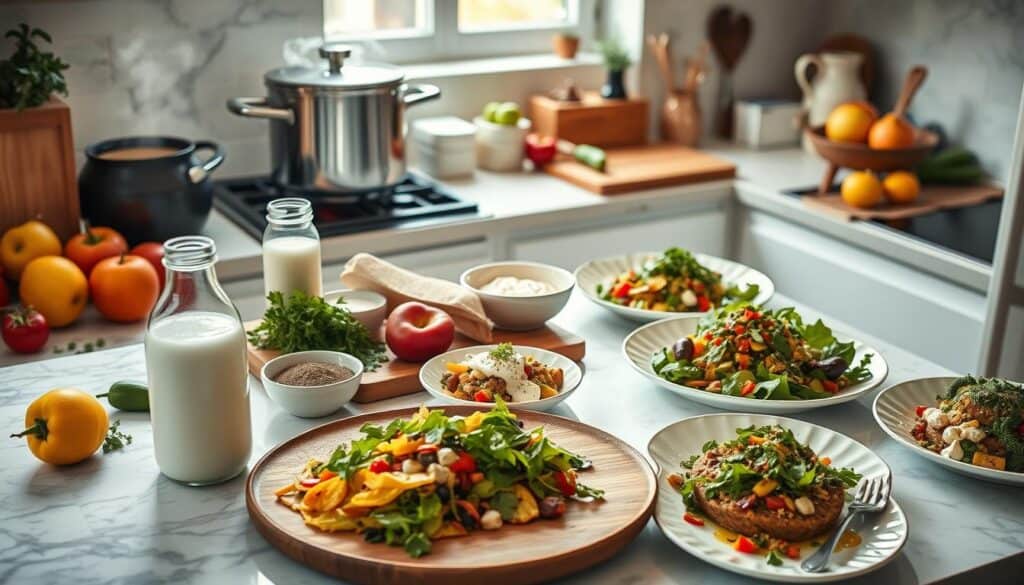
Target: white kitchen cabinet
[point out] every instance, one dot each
(700, 231)
(931, 317)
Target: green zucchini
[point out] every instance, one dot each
(128, 396)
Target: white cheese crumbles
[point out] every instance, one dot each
(512, 371)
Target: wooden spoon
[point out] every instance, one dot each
(915, 77)
(659, 46)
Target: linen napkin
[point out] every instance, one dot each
(367, 272)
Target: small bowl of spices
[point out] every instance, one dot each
(312, 384)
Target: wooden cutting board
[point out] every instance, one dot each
(588, 534)
(397, 377)
(644, 167)
(932, 198)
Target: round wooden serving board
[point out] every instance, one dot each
(588, 534)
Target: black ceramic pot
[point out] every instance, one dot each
(153, 198)
(614, 88)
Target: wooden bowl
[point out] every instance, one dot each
(855, 155)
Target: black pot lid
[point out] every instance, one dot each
(338, 75)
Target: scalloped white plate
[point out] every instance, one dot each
(431, 372)
(640, 345)
(602, 271)
(883, 535)
(894, 410)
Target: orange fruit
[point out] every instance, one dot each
(850, 122)
(26, 242)
(56, 287)
(124, 288)
(901, 187)
(861, 189)
(891, 132)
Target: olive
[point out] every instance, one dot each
(832, 367)
(683, 349)
(466, 518)
(552, 507)
(426, 458)
(444, 493)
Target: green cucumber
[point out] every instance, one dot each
(128, 396)
(954, 156)
(959, 175)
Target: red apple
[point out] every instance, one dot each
(153, 252)
(416, 332)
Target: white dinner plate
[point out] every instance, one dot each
(641, 344)
(605, 270)
(894, 410)
(431, 372)
(882, 534)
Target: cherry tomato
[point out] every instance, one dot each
(25, 330)
(465, 463)
(380, 466)
(739, 329)
(621, 290)
(566, 482)
(703, 304)
(745, 545)
(920, 409)
(691, 519)
(793, 551)
(830, 386)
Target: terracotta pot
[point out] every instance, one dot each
(565, 46)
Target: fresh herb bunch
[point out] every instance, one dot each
(30, 75)
(503, 353)
(614, 55)
(303, 322)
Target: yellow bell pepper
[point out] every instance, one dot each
(326, 495)
(765, 487)
(456, 368)
(401, 445)
(64, 426)
(527, 509)
(473, 421)
(403, 481)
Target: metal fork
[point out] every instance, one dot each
(872, 495)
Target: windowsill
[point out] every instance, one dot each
(494, 65)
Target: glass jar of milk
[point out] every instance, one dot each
(196, 368)
(291, 249)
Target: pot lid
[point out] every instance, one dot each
(338, 75)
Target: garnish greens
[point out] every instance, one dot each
(303, 322)
(503, 353)
(115, 439)
(1006, 401)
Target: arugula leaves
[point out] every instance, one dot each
(403, 521)
(748, 294)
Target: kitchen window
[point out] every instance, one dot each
(409, 31)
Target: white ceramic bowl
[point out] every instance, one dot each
(604, 270)
(894, 411)
(520, 313)
(640, 345)
(312, 401)
(499, 147)
(369, 307)
(431, 372)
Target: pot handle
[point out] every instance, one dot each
(197, 173)
(256, 107)
(414, 94)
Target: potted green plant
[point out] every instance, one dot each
(37, 154)
(616, 61)
(566, 44)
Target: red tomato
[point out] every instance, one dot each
(98, 243)
(465, 463)
(691, 519)
(153, 252)
(745, 545)
(774, 503)
(25, 330)
(830, 386)
(621, 290)
(703, 304)
(748, 387)
(793, 551)
(920, 409)
(380, 466)
(481, 396)
(566, 482)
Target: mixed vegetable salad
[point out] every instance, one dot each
(979, 421)
(768, 488)
(437, 476)
(744, 350)
(673, 282)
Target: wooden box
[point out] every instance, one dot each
(37, 168)
(592, 120)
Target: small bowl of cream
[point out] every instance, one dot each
(367, 306)
(519, 296)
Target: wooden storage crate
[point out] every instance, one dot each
(592, 120)
(37, 168)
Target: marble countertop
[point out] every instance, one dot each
(114, 519)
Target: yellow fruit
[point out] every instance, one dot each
(56, 288)
(850, 122)
(862, 189)
(26, 242)
(891, 132)
(901, 187)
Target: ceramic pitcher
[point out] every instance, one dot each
(837, 80)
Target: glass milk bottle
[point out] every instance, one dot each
(196, 368)
(291, 249)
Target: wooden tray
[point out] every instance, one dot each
(932, 198)
(588, 534)
(644, 167)
(396, 377)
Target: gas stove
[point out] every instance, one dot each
(413, 202)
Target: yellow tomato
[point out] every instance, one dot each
(862, 189)
(901, 187)
(64, 426)
(26, 242)
(56, 288)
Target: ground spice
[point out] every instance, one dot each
(313, 374)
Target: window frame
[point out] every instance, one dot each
(441, 40)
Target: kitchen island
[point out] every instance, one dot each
(115, 519)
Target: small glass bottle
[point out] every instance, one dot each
(196, 368)
(291, 249)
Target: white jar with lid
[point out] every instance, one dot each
(444, 146)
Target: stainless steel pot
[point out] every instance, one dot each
(339, 129)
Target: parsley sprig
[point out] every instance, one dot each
(503, 353)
